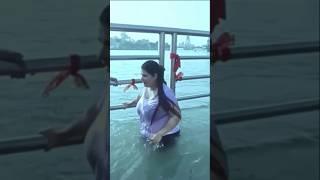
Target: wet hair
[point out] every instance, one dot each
(104, 16)
(167, 104)
(104, 21)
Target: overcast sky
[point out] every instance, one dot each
(176, 14)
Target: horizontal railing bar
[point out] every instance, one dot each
(121, 82)
(91, 61)
(144, 57)
(117, 107)
(194, 57)
(134, 57)
(154, 29)
(31, 143)
(273, 50)
(195, 77)
(60, 63)
(38, 142)
(87, 62)
(193, 97)
(50, 65)
(267, 111)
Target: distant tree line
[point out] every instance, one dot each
(124, 42)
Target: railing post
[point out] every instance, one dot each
(173, 50)
(162, 48)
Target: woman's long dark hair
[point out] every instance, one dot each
(104, 16)
(104, 21)
(167, 104)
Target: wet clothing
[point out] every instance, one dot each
(146, 108)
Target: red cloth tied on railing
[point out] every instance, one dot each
(179, 76)
(221, 48)
(177, 64)
(132, 84)
(73, 70)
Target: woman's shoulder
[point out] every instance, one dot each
(166, 89)
(142, 91)
(168, 92)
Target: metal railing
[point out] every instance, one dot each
(31, 143)
(179, 99)
(267, 111)
(121, 82)
(161, 31)
(37, 142)
(33, 66)
(41, 65)
(157, 30)
(238, 53)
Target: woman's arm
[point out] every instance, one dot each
(132, 103)
(172, 122)
(79, 128)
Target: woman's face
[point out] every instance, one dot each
(147, 79)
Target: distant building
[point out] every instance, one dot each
(188, 45)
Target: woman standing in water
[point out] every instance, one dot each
(92, 127)
(157, 107)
